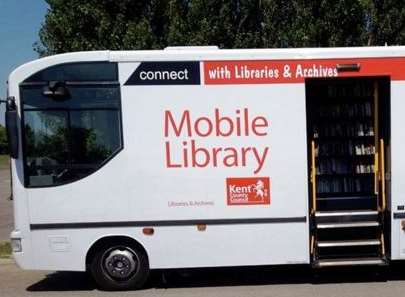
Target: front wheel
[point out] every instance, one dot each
(120, 267)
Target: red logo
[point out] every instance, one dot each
(248, 190)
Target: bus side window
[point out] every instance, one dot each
(66, 140)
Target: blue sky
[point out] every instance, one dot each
(20, 21)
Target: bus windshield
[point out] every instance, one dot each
(66, 140)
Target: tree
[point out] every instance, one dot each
(73, 25)
(385, 22)
(3, 140)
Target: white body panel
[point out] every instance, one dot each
(127, 190)
(398, 167)
(136, 185)
(171, 247)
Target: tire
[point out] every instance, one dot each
(120, 266)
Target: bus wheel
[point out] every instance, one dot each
(120, 267)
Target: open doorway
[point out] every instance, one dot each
(348, 122)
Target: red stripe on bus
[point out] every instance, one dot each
(296, 71)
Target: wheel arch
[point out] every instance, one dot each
(109, 239)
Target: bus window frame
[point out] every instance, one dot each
(69, 83)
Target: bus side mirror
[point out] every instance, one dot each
(12, 128)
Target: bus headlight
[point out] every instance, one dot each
(16, 245)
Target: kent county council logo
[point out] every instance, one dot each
(248, 190)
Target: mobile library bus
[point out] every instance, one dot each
(126, 161)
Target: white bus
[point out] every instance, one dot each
(128, 161)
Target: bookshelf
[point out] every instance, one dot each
(343, 128)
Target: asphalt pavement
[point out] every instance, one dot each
(287, 281)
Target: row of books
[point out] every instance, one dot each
(347, 148)
(364, 149)
(344, 130)
(352, 110)
(335, 166)
(356, 89)
(344, 185)
(364, 168)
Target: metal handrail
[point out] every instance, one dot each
(382, 175)
(313, 177)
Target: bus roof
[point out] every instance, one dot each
(208, 53)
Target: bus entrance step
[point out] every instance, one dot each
(347, 225)
(346, 216)
(347, 213)
(348, 243)
(349, 262)
(345, 202)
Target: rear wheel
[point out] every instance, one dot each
(120, 266)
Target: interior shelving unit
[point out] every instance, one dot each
(344, 136)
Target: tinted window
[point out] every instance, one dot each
(97, 71)
(103, 96)
(66, 140)
(94, 136)
(46, 146)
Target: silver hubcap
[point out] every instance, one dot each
(120, 263)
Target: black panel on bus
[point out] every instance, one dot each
(88, 72)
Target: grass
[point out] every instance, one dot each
(4, 161)
(5, 249)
